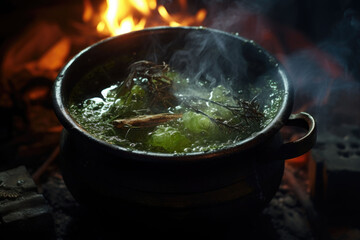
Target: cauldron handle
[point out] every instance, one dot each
(303, 145)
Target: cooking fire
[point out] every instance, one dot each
(190, 119)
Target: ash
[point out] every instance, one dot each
(287, 215)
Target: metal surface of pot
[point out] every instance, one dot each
(242, 176)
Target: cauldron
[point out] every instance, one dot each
(236, 180)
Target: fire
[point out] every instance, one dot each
(122, 16)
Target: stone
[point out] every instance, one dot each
(23, 211)
(335, 170)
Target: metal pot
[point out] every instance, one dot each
(234, 180)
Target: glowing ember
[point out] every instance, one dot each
(122, 16)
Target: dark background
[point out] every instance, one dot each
(327, 31)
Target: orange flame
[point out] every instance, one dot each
(122, 16)
(179, 19)
(88, 11)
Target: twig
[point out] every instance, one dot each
(158, 82)
(251, 106)
(44, 167)
(251, 111)
(145, 120)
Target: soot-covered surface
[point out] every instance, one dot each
(283, 218)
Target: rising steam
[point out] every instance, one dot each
(211, 57)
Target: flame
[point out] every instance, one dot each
(180, 20)
(122, 16)
(88, 11)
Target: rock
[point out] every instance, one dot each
(335, 170)
(23, 212)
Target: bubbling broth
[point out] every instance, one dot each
(157, 109)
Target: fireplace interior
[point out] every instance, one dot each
(316, 41)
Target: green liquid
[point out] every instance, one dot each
(193, 132)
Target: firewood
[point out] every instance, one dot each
(142, 121)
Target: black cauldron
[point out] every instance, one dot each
(229, 182)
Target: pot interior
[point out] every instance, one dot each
(201, 53)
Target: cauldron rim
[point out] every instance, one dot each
(143, 156)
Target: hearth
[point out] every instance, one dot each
(316, 41)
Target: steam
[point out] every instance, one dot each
(211, 57)
(328, 74)
(325, 73)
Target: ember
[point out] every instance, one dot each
(317, 42)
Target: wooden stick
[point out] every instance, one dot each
(44, 167)
(145, 120)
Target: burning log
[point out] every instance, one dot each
(145, 120)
